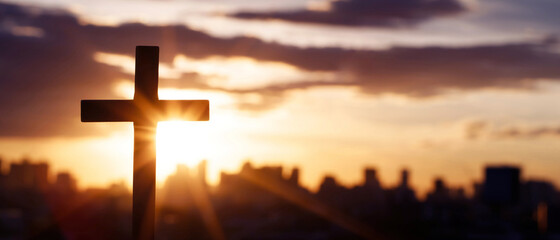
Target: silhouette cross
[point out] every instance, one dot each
(145, 110)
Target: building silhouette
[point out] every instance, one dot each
(501, 185)
(28, 175)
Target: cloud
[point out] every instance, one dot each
(538, 16)
(531, 132)
(416, 72)
(423, 72)
(44, 77)
(483, 129)
(380, 13)
(475, 130)
(45, 74)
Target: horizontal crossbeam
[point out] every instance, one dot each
(142, 111)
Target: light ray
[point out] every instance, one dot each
(311, 204)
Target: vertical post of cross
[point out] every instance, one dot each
(144, 177)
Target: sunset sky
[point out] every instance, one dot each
(441, 87)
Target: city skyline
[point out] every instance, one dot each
(274, 205)
(285, 172)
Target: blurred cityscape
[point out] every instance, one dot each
(266, 203)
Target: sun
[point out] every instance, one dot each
(180, 142)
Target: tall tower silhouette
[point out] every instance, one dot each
(294, 177)
(370, 178)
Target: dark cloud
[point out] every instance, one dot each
(429, 71)
(381, 13)
(512, 15)
(44, 77)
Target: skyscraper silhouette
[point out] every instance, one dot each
(501, 185)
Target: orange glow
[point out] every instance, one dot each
(179, 142)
